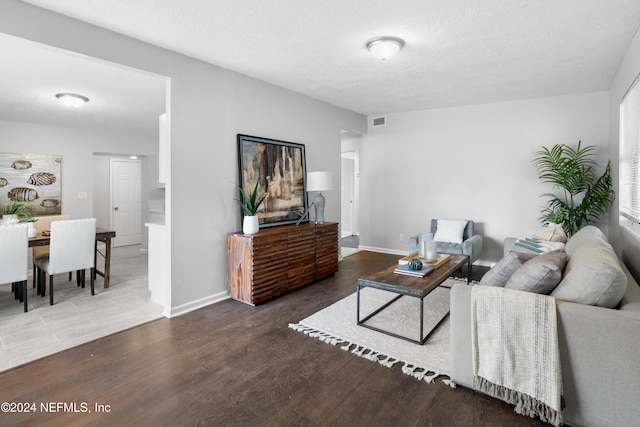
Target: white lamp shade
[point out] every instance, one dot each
(319, 181)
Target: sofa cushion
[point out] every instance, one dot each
(540, 274)
(631, 299)
(582, 236)
(593, 275)
(551, 233)
(502, 271)
(450, 231)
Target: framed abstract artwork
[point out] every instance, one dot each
(32, 178)
(279, 168)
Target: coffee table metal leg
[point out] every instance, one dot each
(421, 339)
(435, 328)
(421, 320)
(468, 269)
(361, 322)
(358, 305)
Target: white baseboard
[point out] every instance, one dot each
(194, 305)
(383, 250)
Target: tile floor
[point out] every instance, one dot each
(349, 246)
(76, 317)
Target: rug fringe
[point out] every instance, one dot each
(415, 371)
(420, 373)
(322, 336)
(450, 383)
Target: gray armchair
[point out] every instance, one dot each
(471, 244)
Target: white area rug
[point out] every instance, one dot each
(336, 325)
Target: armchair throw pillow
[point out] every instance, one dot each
(450, 231)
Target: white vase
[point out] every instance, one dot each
(432, 250)
(32, 229)
(10, 219)
(250, 225)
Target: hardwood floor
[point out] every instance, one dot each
(232, 364)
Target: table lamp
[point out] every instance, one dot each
(319, 181)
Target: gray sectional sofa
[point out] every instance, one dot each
(599, 346)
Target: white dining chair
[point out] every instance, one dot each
(14, 258)
(43, 223)
(71, 249)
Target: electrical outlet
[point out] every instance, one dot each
(402, 237)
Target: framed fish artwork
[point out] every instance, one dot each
(34, 179)
(279, 168)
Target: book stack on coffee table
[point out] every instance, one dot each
(404, 269)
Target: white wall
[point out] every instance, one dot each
(471, 162)
(626, 243)
(209, 106)
(77, 148)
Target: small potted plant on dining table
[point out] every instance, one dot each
(12, 211)
(250, 204)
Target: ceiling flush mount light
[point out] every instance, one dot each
(72, 100)
(384, 48)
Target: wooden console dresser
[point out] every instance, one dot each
(278, 260)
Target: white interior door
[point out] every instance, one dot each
(126, 201)
(347, 199)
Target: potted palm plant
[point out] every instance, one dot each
(13, 210)
(584, 196)
(250, 204)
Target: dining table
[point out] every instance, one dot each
(102, 235)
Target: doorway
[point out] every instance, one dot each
(349, 194)
(346, 211)
(126, 201)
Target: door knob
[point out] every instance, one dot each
(115, 209)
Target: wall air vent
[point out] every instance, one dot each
(379, 121)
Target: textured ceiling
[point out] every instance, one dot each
(457, 52)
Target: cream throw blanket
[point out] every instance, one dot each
(515, 350)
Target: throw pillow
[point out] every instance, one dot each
(540, 274)
(502, 271)
(450, 231)
(532, 244)
(593, 276)
(584, 236)
(552, 233)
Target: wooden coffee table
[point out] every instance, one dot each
(404, 285)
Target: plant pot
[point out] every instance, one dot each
(31, 230)
(250, 225)
(10, 219)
